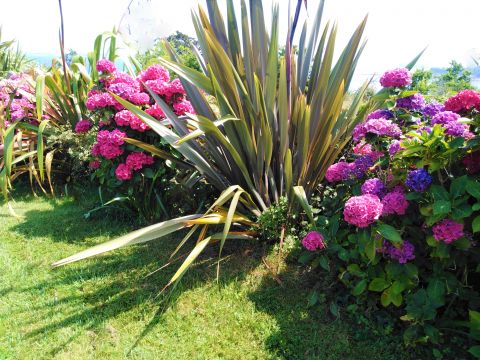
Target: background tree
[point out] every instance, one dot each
(440, 86)
(180, 42)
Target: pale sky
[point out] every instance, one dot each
(396, 30)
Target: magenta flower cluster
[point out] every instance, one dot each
(17, 95)
(396, 78)
(135, 161)
(447, 231)
(108, 144)
(106, 66)
(313, 241)
(362, 210)
(115, 121)
(83, 126)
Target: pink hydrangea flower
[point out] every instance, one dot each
(100, 101)
(125, 91)
(362, 149)
(139, 125)
(380, 127)
(95, 164)
(156, 112)
(176, 87)
(463, 101)
(123, 172)
(136, 160)
(447, 231)
(395, 202)
(159, 87)
(123, 117)
(183, 107)
(122, 78)
(82, 126)
(338, 171)
(363, 210)
(108, 144)
(313, 241)
(154, 72)
(140, 98)
(127, 118)
(396, 78)
(106, 66)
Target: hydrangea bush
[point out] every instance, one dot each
(401, 212)
(147, 183)
(17, 99)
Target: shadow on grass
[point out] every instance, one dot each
(86, 295)
(65, 221)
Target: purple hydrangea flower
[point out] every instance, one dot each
(380, 113)
(394, 147)
(413, 102)
(418, 180)
(361, 166)
(433, 109)
(454, 128)
(402, 254)
(380, 127)
(444, 117)
(373, 186)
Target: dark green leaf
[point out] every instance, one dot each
(476, 224)
(458, 186)
(378, 284)
(334, 310)
(390, 233)
(324, 263)
(475, 351)
(473, 189)
(462, 211)
(360, 287)
(436, 292)
(312, 298)
(439, 193)
(441, 207)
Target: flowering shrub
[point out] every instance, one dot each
(17, 98)
(125, 170)
(401, 211)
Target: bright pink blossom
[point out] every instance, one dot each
(363, 210)
(155, 111)
(82, 126)
(338, 171)
(123, 172)
(463, 101)
(396, 78)
(106, 66)
(136, 160)
(183, 107)
(154, 72)
(313, 241)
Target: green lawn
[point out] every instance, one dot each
(107, 308)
